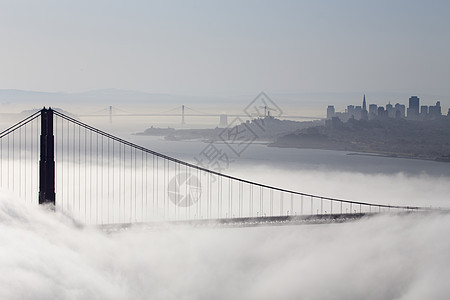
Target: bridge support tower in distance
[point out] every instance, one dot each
(47, 160)
(182, 115)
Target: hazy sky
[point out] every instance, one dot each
(226, 47)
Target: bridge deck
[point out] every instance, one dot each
(259, 221)
(242, 222)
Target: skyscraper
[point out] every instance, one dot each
(435, 111)
(390, 110)
(351, 111)
(424, 111)
(400, 110)
(382, 113)
(413, 109)
(364, 113)
(330, 111)
(373, 111)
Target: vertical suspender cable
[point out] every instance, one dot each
(107, 178)
(79, 171)
(20, 161)
(102, 183)
(131, 183)
(96, 185)
(142, 187)
(25, 171)
(113, 181)
(135, 184)
(13, 162)
(146, 186)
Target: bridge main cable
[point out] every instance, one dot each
(221, 175)
(20, 124)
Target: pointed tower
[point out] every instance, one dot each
(364, 112)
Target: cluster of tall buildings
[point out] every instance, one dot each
(425, 112)
(397, 111)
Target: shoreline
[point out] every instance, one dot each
(364, 153)
(275, 145)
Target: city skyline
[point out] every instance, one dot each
(414, 111)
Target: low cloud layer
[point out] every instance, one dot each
(47, 255)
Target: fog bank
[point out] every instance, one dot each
(46, 255)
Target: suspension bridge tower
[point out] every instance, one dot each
(182, 115)
(47, 160)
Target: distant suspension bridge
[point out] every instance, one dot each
(180, 111)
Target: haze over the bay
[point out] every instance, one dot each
(228, 48)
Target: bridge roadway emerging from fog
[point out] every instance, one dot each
(97, 178)
(242, 222)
